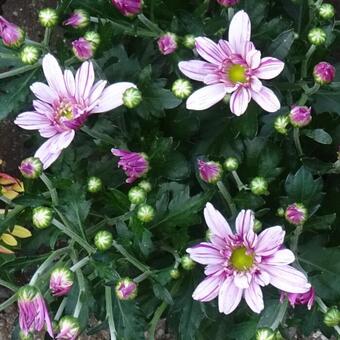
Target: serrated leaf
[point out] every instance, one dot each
(280, 47)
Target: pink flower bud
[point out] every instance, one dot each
(167, 43)
(300, 299)
(126, 289)
(69, 328)
(324, 73)
(61, 281)
(82, 49)
(296, 214)
(300, 116)
(128, 7)
(228, 3)
(210, 172)
(11, 34)
(78, 19)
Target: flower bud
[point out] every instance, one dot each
(278, 335)
(317, 36)
(82, 49)
(231, 164)
(31, 167)
(257, 226)
(281, 123)
(103, 240)
(167, 43)
(61, 281)
(42, 217)
(264, 333)
(11, 34)
(137, 195)
(259, 186)
(29, 55)
(145, 213)
(69, 328)
(307, 298)
(324, 73)
(210, 172)
(182, 88)
(94, 39)
(94, 184)
(175, 274)
(132, 97)
(128, 8)
(126, 289)
(78, 19)
(226, 98)
(189, 41)
(300, 116)
(145, 185)
(332, 317)
(326, 11)
(28, 336)
(228, 3)
(296, 214)
(48, 17)
(280, 212)
(187, 263)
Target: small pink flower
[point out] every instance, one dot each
(300, 299)
(78, 19)
(296, 214)
(235, 67)
(61, 281)
(134, 164)
(64, 105)
(209, 172)
(11, 34)
(126, 289)
(82, 49)
(239, 264)
(300, 116)
(128, 7)
(167, 43)
(228, 3)
(324, 73)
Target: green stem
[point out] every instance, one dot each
(8, 285)
(149, 24)
(109, 312)
(324, 310)
(296, 136)
(142, 277)
(34, 43)
(8, 56)
(4, 223)
(60, 309)
(81, 286)
(47, 36)
(52, 190)
(18, 70)
(80, 264)
(8, 302)
(7, 201)
(304, 65)
(238, 181)
(226, 195)
(231, 13)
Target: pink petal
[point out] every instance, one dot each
(70, 83)
(53, 74)
(254, 297)
(242, 280)
(48, 132)
(239, 31)
(244, 222)
(208, 289)
(255, 84)
(96, 91)
(44, 92)
(281, 257)
(225, 47)
(84, 80)
(216, 222)
(209, 51)
(44, 108)
(262, 278)
(253, 59)
(229, 296)
(112, 97)
(266, 99)
(32, 121)
(214, 269)
(196, 69)
(206, 97)
(269, 68)
(269, 241)
(239, 101)
(205, 253)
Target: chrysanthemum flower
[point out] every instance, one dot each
(210, 172)
(11, 34)
(64, 105)
(78, 19)
(233, 66)
(167, 43)
(61, 281)
(82, 49)
(300, 299)
(128, 7)
(10, 187)
(238, 264)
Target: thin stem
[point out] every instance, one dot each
(7, 201)
(80, 264)
(18, 70)
(34, 43)
(304, 65)
(47, 36)
(142, 277)
(8, 56)
(51, 189)
(8, 302)
(225, 193)
(82, 290)
(14, 212)
(296, 136)
(8, 285)
(149, 24)
(238, 181)
(109, 312)
(231, 13)
(295, 239)
(60, 309)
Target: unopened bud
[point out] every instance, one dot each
(78, 19)
(145, 213)
(48, 17)
(94, 39)
(182, 88)
(326, 11)
(231, 164)
(280, 212)
(28, 336)
(296, 214)
(31, 167)
(29, 55)
(259, 186)
(94, 184)
(61, 281)
(317, 36)
(137, 195)
(189, 41)
(257, 226)
(42, 217)
(175, 274)
(103, 240)
(126, 289)
(264, 334)
(132, 97)
(210, 172)
(187, 263)
(69, 328)
(281, 123)
(145, 185)
(332, 317)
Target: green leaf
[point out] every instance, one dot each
(244, 330)
(280, 47)
(247, 200)
(176, 167)
(320, 222)
(268, 162)
(162, 293)
(273, 314)
(327, 101)
(319, 135)
(247, 124)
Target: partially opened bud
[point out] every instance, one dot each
(82, 49)
(78, 19)
(257, 226)
(137, 195)
(42, 217)
(231, 164)
(189, 41)
(280, 212)
(61, 281)
(317, 36)
(145, 185)
(182, 88)
(31, 167)
(128, 8)
(259, 186)
(228, 3)
(307, 298)
(126, 289)
(94, 184)
(175, 274)
(264, 333)
(300, 116)
(28, 336)
(187, 263)
(332, 317)
(296, 214)
(324, 73)
(327, 11)
(48, 17)
(132, 97)
(210, 172)
(29, 55)
(145, 213)
(167, 43)
(11, 34)
(103, 240)
(281, 123)
(69, 328)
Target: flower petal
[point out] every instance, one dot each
(269, 241)
(32, 121)
(239, 31)
(44, 92)
(244, 222)
(255, 84)
(281, 257)
(267, 99)
(96, 92)
(70, 83)
(208, 289)
(253, 58)
(205, 253)
(239, 101)
(229, 296)
(209, 50)
(269, 68)
(254, 297)
(206, 97)
(84, 80)
(196, 69)
(216, 222)
(112, 97)
(242, 280)
(225, 47)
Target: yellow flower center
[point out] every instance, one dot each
(237, 74)
(65, 110)
(240, 260)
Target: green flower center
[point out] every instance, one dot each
(237, 74)
(65, 110)
(240, 260)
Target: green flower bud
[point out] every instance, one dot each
(187, 263)
(145, 185)
(259, 186)
(132, 97)
(103, 240)
(231, 164)
(280, 212)
(93, 38)
(182, 88)
(94, 184)
(31, 167)
(175, 274)
(29, 55)
(317, 36)
(145, 213)
(137, 195)
(226, 98)
(257, 226)
(23, 336)
(326, 11)
(189, 41)
(264, 334)
(332, 317)
(42, 217)
(281, 123)
(278, 336)
(48, 17)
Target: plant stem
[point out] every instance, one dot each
(231, 13)
(142, 277)
(109, 312)
(8, 285)
(149, 24)
(295, 239)
(18, 70)
(238, 181)
(8, 302)
(296, 136)
(81, 286)
(8, 56)
(60, 309)
(4, 223)
(51, 189)
(226, 195)
(7, 201)
(47, 36)
(306, 60)
(80, 264)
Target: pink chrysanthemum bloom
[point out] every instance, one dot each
(324, 73)
(300, 116)
(307, 298)
(228, 3)
(61, 281)
(64, 105)
(78, 19)
(82, 49)
(232, 67)
(238, 264)
(134, 164)
(69, 328)
(128, 7)
(167, 43)
(210, 172)
(11, 34)
(126, 289)
(33, 313)
(296, 213)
